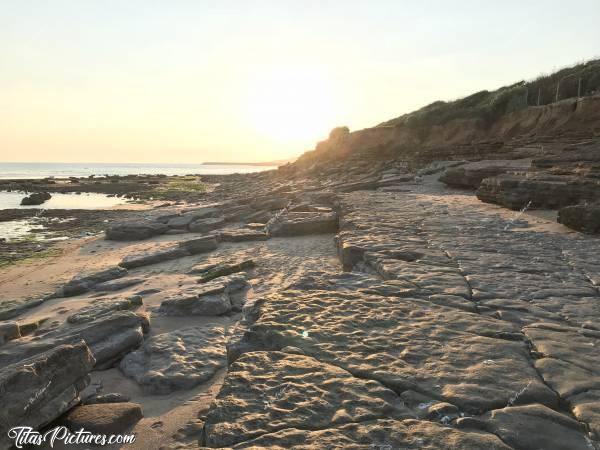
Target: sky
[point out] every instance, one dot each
(190, 81)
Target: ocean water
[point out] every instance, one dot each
(61, 170)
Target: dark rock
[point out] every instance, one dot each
(37, 198)
(101, 418)
(135, 231)
(582, 217)
(36, 391)
(82, 284)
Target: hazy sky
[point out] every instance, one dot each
(192, 81)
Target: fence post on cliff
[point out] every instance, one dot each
(539, 95)
(557, 88)
(579, 88)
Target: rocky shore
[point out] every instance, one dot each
(335, 307)
(361, 297)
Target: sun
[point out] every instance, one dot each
(291, 105)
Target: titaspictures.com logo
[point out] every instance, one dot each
(27, 436)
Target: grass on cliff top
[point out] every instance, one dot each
(489, 106)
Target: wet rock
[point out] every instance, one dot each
(113, 418)
(182, 249)
(296, 224)
(242, 235)
(582, 217)
(220, 270)
(536, 427)
(103, 307)
(261, 385)
(36, 198)
(176, 360)
(211, 299)
(135, 231)
(471, 174)
(206, 225)
(38, 390)
(82, 284)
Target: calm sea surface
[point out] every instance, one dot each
(43, 170)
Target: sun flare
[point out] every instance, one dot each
(291, 105)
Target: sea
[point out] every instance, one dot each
(63, 170)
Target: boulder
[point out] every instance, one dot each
(302, 223)
(176, 360)
(135, 231)
(36, 391)
(104, 418)
(269, 203)
(582, 217)
(206, 225)
(36, 198)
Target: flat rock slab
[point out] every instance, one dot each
(107, 418)
(210, 299)
(219, 270)
(536, 427)
(459, 357)
(117, 285)
(108, 337)
(406, 434)
(206, 225)
(177, 360)
(103, 307)
(302, 223)
(84, 283)
(583, 217)
(242, 235)
(38, 390)
(265, 392)
(135, 231)
(182, 249)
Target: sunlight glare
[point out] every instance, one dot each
(291, 105)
